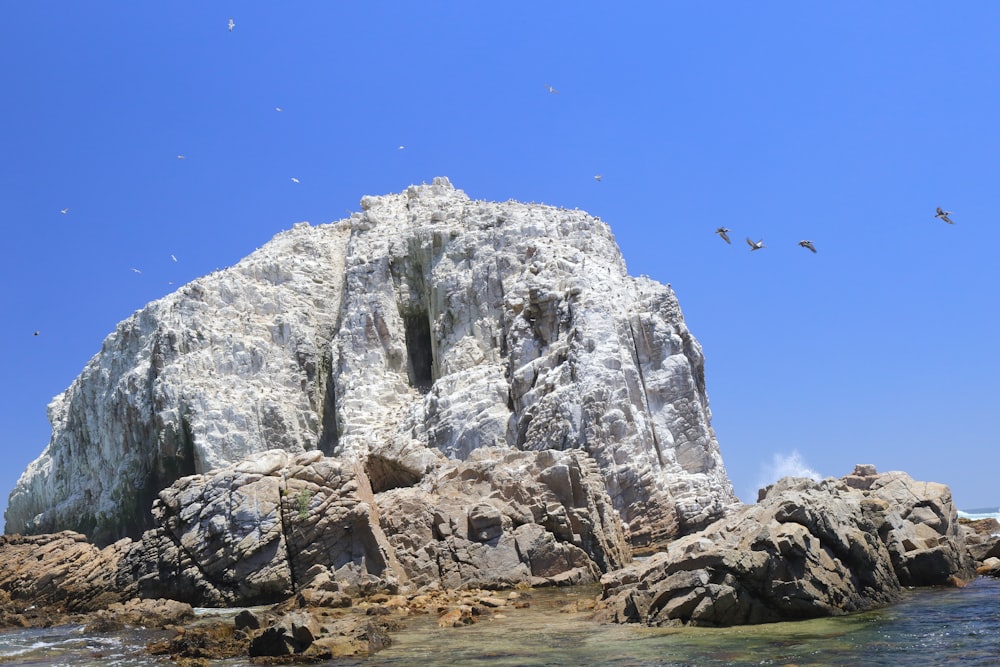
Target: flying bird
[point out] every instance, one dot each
(278, 109)
(173, 258)
(724, 233)
(944, 215)
(808, 244)
(180, 157)
(37, 333)
(232, 24)
(400, 148)
(294, 180)
(551, 89)
(598, 177)
(64, 211)
(134, 270)
(755, 246)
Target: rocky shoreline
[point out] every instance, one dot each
(431, 407)
(807, 549)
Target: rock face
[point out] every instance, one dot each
(426, 324)
(807, 549)
(278, 524)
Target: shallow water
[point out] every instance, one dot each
(929, 627)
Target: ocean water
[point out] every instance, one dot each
(929, 626)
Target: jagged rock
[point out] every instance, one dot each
(922, 531)
(247, 534)
(278, 523)
(61, 570)
(982, 538)
(504, 517)
(428, 325)
(153, 614)
(807, 549)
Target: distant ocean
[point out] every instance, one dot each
(929, 626)
(980, 513)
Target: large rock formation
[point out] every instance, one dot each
(806, 549)
(427, 323)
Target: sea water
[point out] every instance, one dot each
(929, 626)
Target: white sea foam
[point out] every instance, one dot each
(980, 513)
(784, 465)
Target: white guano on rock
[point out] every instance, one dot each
(426, 326)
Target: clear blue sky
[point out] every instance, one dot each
(845, 123)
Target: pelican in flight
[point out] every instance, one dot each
(232, 24)
(724, 233)
(944, 215)
(808, 244)
(755, 246)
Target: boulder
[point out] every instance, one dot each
(503, 518)
(61, 570)
(806, 549)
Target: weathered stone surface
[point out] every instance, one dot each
(248, 534)
(60, 570)
(982, 538)
(807, 549)
(277, 524)
(502, 518)
(428, 324)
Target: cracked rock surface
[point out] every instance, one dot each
(427, 325)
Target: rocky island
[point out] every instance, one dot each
(415, 408)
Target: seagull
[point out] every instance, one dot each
(723, 232)
(551, 89)
(180, 157)
(400, 148)
(64, 211)
(597, 177)
(755, 246)
(173, 258)
(135, 270)
(278, 109)
(943, 215)
(808, 244)
(294, 180)
(232, 24)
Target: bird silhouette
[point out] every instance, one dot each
(808, 244)
(64, 211)
(551, 89)
(294, 180)
(944, 215)
(724, 233)
(755, 246)
(598, 177)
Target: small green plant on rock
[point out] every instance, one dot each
(303, 498)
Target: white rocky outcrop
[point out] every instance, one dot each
(427, 325)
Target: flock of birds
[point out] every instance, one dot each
(723, 232)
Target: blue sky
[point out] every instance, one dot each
(845, 123)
